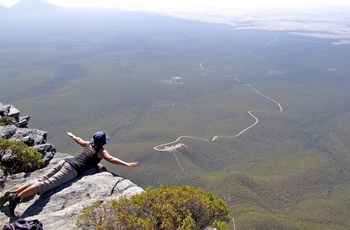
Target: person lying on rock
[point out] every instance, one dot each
(66, 169)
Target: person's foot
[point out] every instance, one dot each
(5, 197)
(14, 199)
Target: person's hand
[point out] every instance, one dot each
(132, 164)
(70, 134)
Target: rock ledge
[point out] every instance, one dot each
(60, 207)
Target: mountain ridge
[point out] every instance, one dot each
(34, 6)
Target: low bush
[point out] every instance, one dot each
(19, 157)
(162, 208)
(6, 120)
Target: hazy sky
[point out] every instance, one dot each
(187, 3)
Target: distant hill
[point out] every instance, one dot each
(37, 9)
(34, 6)
(40, 15)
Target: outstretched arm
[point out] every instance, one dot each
(78, 139)
(115, 160)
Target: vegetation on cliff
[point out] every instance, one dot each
(16, 157)
(6, 120)
(179, 207)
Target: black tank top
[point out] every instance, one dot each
(86, 159)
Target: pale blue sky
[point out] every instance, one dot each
(149, 4)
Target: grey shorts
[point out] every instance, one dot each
(61, 173)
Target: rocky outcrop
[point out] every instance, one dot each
(32, 137)
(11, 111)
(19, 130)
(60, 207)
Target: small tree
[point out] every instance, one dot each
(19, 157)
(162, 208)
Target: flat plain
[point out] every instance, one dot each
(147, 80)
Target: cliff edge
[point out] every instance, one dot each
(60, 207)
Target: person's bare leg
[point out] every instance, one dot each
(29, 191)
(21, 189)
(4, 197)
(15, 198)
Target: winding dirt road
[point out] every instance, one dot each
(171, 146)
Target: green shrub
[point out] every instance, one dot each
(165, 208)
(6, 120)
(23, 158)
